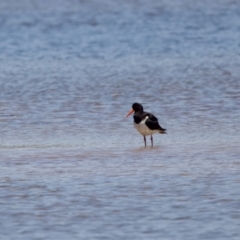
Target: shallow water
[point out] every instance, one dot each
(72, 166)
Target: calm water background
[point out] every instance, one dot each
(72, 166)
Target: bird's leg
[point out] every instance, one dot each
(152, 140)
(145, 142)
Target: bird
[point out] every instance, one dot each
(145, 123)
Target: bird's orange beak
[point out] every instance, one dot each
(130, 112)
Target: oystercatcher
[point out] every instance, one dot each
(146, 123)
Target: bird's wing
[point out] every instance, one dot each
(153, 125)
(152, 122)
(151, 117)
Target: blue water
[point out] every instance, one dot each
(72, 166)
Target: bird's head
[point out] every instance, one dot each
(136, 107)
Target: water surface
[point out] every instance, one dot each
(72, 166)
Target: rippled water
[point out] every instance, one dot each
(72, 166)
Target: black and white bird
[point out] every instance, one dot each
(146, 123)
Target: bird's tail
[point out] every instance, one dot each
(163, 131)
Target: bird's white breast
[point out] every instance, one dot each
(143, 129)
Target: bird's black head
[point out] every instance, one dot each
(137, 107)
